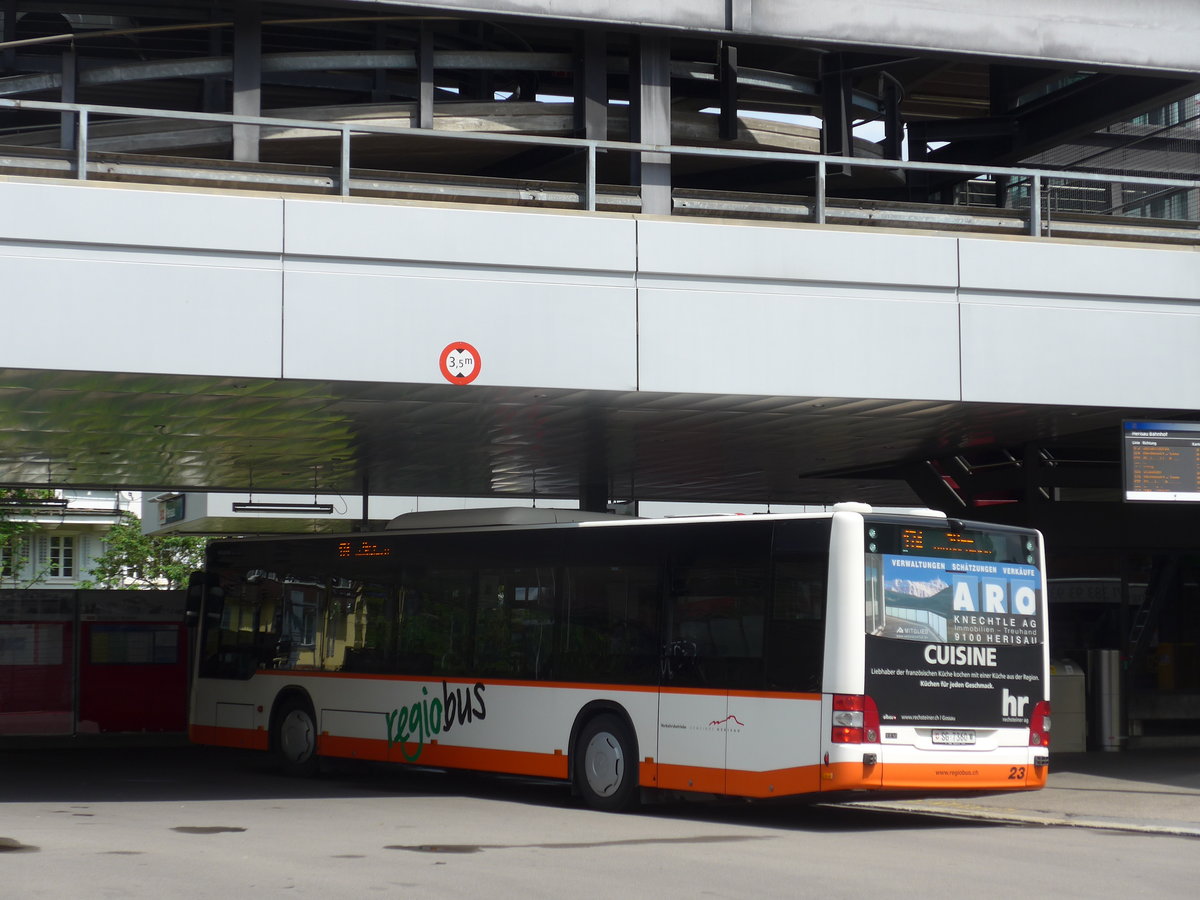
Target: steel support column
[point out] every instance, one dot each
(591, 86)
(650, 119)
(837, 135)
(70, 81)
(8, 58)
(247, 79)
(727, 73)
(425, 77)
(593, 470)
(379, 77)
(213, 96)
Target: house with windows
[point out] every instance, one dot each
(52, 541)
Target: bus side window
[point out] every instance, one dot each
(610, 625)
(717, 602)
(435, 621)
(514, 622)
(370, 628)
(717, 620)
(232, 641)
(298, 619)
(796, 636)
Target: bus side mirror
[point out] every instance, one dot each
(203, 589)
(195, 593)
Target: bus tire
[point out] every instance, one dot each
(294, 738)
(606, 764)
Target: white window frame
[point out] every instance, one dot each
(56, 548)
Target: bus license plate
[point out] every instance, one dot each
(958, 738)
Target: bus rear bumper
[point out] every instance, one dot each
(954, 775)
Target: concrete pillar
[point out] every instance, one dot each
(247, 78)
(650, 119)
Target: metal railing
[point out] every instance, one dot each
(79, 116)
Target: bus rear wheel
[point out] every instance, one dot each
(294, 739)
(606, 764)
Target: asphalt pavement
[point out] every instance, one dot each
(1149, 791)
(1155, 791)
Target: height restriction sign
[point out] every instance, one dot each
(460, 363)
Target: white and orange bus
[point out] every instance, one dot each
(750, 656)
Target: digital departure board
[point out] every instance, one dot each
(1161, 461)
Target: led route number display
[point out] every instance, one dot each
(361, 549)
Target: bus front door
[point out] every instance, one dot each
(691, 723)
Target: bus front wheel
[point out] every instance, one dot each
(295, 739)
(606, 764)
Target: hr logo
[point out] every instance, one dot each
(1012, 706)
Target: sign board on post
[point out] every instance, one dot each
(171, 509)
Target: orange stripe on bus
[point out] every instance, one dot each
(851, 776)
(769, 695)
(691, 778)
(241, 738)
(480, 759)
(775, 783)
(951, 776)
(962, 774)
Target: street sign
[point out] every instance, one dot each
(460, 363)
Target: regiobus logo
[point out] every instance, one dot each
(428, 716)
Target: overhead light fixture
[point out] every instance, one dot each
(317, 509)
(34, 503)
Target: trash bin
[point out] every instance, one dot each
(1068, 707)
(1104, 700)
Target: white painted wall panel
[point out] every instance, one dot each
(738, 339)
(1086, 323)
(131, 217)
(138, 313)
(1033, 349)
(1027, 265)
(453, 236)
(736, 308)
(808, 254)
(383, 323)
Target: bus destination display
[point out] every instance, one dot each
(361, 549)
(1161, 461)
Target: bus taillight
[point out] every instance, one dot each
(1039, 725)
(855, 719)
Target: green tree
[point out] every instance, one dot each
(17, 525)
(134, 561)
